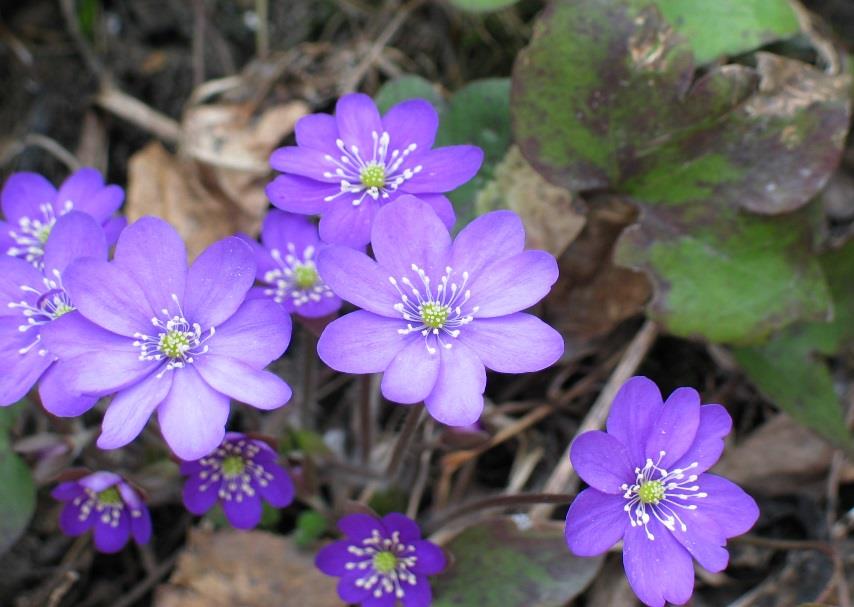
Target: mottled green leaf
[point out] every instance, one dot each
(408, 87)
(604, 97)
(790, 371)
(479, 114)
(482, 6)
(726, 275)
(500, 564)
(729, 27)
(18, 494)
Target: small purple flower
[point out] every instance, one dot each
(32, 298)
(165, 337)
(287, 269)
(31, 206)
(648, 487)
(240, 472)
(382, 562)
(103, 500)
(436, 312)
(344, 168)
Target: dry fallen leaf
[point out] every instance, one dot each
(245, 569)
(553, 217)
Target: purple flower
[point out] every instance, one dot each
(31, 206)
(382, 562)
(436, 312)
(648, 486)
(344, 168)
(31, 299)
(286, 266)
(165, 337)
(109, 504)
(238, 474)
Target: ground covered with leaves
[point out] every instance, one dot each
(687, 164)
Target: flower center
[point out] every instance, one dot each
(174, 343)
(296, 279)
(177, 341)
(378, 174)
(110, 497)
(232, 466)
(373, 176)
(41, 307)
(436, 313)
(33, 232)
(385, 562)
(651, 492)
(662, 494)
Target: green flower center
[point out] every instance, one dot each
(305, 275)
(434, 314)
(373, 176)
(651, 492)
(385, 562)
(174, 343)
(232, 466)
(43, 233)
(110, 496)
(62, 309)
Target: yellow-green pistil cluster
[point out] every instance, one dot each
(232, 466)
(305, 275)
(174, 343)
(433, 314)
(373, 176)
(651, 492)
(110, 497)
(385, 562)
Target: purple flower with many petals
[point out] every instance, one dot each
(238, 474)
(436, 312)
(165, 337)
(286, 266)
(382, 562)
(103, 500)
(31, 206)
(32, 298)
(649, 487)
(344, 168)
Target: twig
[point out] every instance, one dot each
(366, 418)
(262, 34)
(398, 454)
(138, 591)
(498, 501)
(52, 147)
(421, 478)
(91, 60)
(136, 112)
(199, 22)
(563, 478)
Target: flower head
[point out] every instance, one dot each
(31, 299)
(382, 562)
(167, 337)
(287, 267)
(436, 312)
(649, 486)
(31, 206)
(238, 474)
(344, 168)
(103, 500)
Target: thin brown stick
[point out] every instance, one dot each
(199, 22)
(91, 60)
(136, 112)
(262, 34)
(563, 478)
(366, 418)
(138, 591)
(497, 501)
(398, 454)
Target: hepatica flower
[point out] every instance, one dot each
(435, 312)
(382, 562)
(649, 486)
(31, 206)
(30, 300)
(238, 474)
(165, 337)
(287, 266)
(344, 168)
(103, 501)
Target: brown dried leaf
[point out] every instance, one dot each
(249, 569)
(553, 217)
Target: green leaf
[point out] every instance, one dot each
(789, 369)
(731, 278)
(499, 564)
(407, 87)
(603, 98)
(18, 496)
(311, 526)
(482, 6)
(479, 114)
(729, 27)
